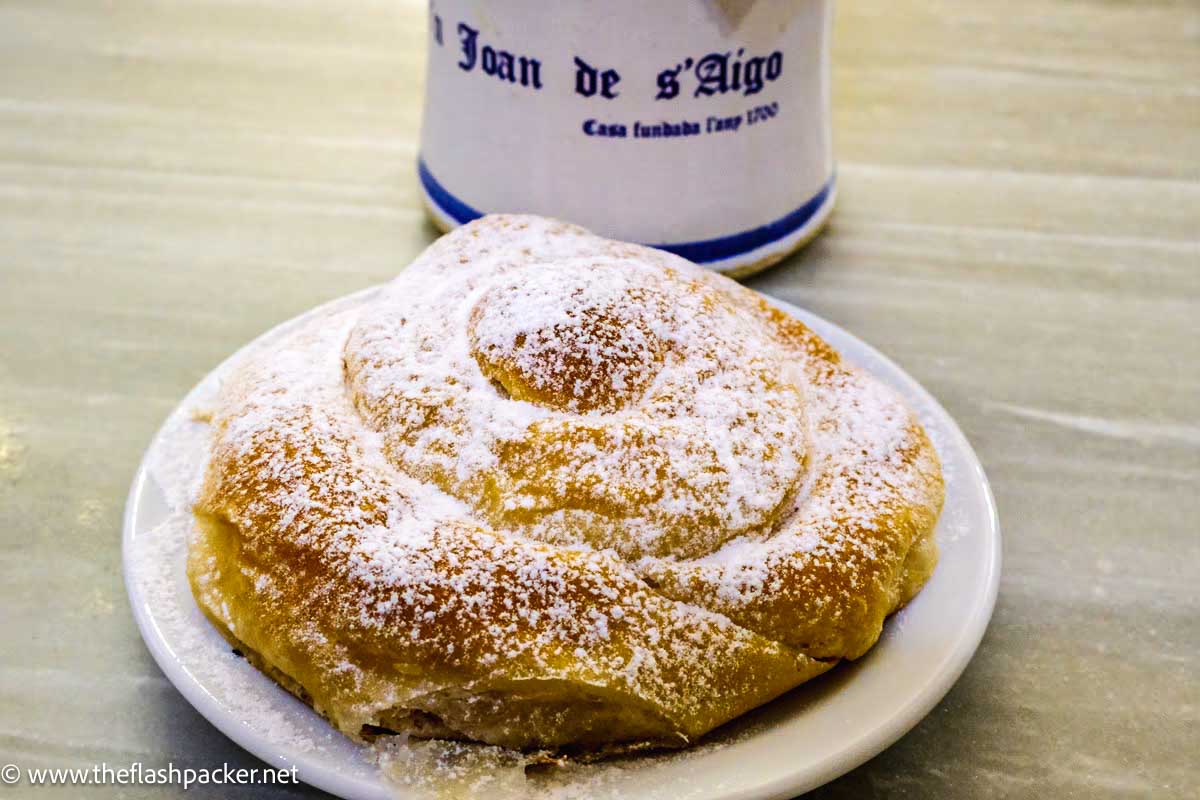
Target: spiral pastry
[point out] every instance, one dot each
(554, 492)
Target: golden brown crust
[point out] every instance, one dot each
(553, 492)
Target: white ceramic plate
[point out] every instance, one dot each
(798, 742)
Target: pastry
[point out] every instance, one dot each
(556, 493)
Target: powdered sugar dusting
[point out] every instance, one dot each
(416, 571)
(584, 392)
(590, 398)
(548, 455)
(155, 559)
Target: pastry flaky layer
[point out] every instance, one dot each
(554, 492)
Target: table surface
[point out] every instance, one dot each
(1019, 227)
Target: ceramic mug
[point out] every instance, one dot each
(698, 126)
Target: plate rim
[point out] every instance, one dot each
(341, 784)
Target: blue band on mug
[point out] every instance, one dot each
(701, 252)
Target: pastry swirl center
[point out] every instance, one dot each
(570, 339)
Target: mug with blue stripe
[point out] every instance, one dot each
(701, 127)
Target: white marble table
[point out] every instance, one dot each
(1019, 227)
